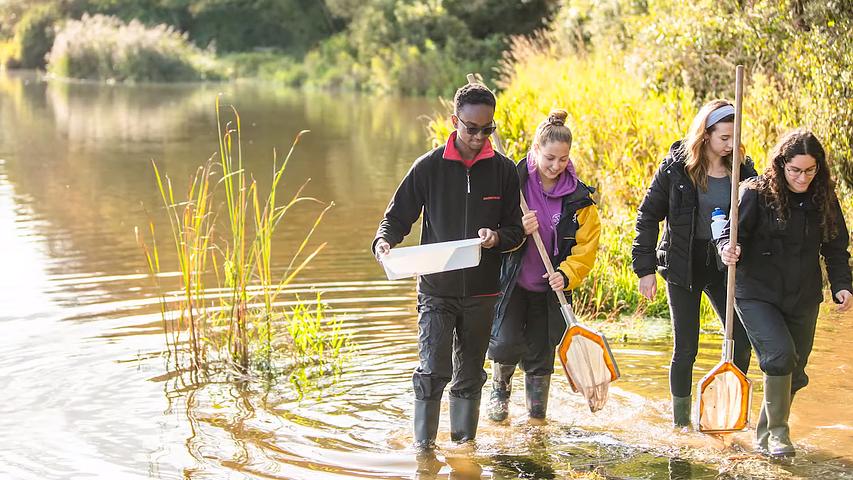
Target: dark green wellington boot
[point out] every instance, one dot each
(426, 423)
(681, 411)
(501, 389)
(464, 416)
(536, 389)
(761, 431)
(777, 408)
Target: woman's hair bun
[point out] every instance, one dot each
(558, 117)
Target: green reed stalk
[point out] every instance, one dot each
(243, 325)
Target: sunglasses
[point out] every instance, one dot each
(487, 130)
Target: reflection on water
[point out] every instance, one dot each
(88, 388)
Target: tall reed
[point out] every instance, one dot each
(241, 326)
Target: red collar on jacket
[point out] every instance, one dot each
(451, 153)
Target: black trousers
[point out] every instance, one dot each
(684, 311)
(782, 339)
(453, 334)
(529, 332)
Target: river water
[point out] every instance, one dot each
(87, 389)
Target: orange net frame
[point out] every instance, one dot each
(723, 403)
(588, 363)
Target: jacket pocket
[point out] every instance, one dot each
(489, 209)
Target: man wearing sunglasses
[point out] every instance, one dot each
(465, 190)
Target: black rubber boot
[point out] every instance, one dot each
(501, 389)
(464, 416)
(536, 389)
(681, 411)
(777, 407)
(426, 423)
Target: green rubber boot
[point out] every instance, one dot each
(761, 431)
(681, 411)
(777, 408)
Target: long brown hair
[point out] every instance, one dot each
(693, 145)
(773, 186)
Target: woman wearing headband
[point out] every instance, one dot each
(693, 180)
(528, 324)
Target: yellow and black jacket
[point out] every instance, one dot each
(578, 233)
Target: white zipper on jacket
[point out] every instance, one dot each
(465, 226)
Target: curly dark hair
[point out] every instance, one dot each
(473, 94)
(774, 188)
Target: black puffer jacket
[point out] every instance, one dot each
(780, 261)
(672, 197)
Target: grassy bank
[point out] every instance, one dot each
(621, 133)
(633, 74)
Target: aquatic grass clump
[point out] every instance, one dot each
(239, 324)
(100, 47)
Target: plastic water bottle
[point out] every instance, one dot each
(718, 222)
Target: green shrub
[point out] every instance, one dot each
(35, 33)
(265, 65)
(803, 49)
(9, 54)
(104, 48)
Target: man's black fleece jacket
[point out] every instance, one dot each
(456, 202)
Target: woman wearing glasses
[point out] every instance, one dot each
(693, 180)
(789, 217)
(528, 324)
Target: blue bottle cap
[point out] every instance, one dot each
(718, 211)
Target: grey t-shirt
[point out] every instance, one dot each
(718, 195)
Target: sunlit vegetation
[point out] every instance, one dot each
(100, 47)
(399, 46)
(229, 309)
(632, 76)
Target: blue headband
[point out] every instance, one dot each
(718, 115)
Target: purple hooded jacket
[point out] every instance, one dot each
(548, 207)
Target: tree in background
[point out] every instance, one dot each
(799, 56)
(409, 46)
(231, 25)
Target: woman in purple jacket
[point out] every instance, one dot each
(528, 323)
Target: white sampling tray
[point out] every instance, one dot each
(431, 258)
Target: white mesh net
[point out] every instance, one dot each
(721, 403)
(588, 370)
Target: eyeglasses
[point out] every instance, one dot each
(487, 130)
(796, 172)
